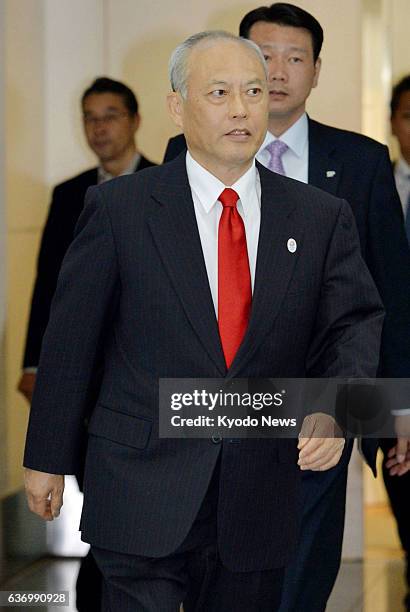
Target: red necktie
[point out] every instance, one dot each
(234, 279)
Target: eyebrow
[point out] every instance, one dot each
(292, 49)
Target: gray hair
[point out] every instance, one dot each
(177, 67)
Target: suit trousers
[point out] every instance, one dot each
(161, 584)
(311, 574)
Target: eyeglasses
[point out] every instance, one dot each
(108, 119)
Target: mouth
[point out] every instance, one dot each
(239, 134)
(101, 143)
(277, 93)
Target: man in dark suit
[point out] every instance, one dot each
(111, 120)
(207, 267)
(358, 169)
(399, 489)
(400, 126)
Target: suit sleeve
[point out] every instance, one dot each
(388, 258)
(55, 240)
(84, 301)
(346, 338)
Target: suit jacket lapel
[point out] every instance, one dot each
(174, 228)
(275, 263)
(324, 168)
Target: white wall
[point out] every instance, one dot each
(73, 55)
(25, 195)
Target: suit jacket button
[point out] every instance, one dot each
(216, 439)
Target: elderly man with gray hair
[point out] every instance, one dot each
(207, 267)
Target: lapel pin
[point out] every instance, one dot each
(292, 246)
(330, 173)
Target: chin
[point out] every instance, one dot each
(104, 157)
(242, 160)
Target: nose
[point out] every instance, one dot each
(100, 127)
(277, 70)
(238, 106)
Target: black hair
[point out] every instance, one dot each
(285, 14)
(106, 85)
(400, 88)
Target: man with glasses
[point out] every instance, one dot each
(111, 120)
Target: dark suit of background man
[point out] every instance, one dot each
(399, 489)
(111, 120)
(185, 270)
(358, 169)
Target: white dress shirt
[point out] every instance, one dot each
(402, 177)
(296, 159)
(206, 189)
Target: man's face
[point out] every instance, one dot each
(224, 116)
(108, 126)
(292, 71)
(400, 123)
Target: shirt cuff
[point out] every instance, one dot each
(404, 412)
(31, 370)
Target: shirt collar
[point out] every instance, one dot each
(403, 168)
(103, 175)
(208, 188)
(295, 137)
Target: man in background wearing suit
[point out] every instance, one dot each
(399, 489)
(400, 125)
(358, 169)
(207, 267)
(111, 120)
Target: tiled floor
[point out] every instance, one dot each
(375, 585)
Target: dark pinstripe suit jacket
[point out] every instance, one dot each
(134, 282)
(357, 169)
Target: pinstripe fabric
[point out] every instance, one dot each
(134, 286)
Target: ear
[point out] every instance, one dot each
(175, 108)
(318, 66)
(137, 122)
(393, 126)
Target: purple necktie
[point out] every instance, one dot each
(276, 149)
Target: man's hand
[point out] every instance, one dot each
(321, 442)
(44, 493)
(398, 462)
(26, 385)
